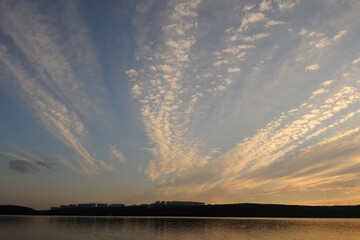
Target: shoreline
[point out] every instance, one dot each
(216, 210)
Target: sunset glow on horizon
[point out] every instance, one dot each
(210, 101)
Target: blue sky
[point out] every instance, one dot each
(137, 101)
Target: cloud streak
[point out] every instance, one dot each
(329, 165)
(356, 61)
(24, 165)
(160, 90)
(117, 154)
(51, 85)
(28, 166)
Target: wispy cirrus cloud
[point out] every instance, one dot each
(160, 90)
(235, 102)
(50, 72)
(168, 114)
(270, 23)
(117, 154)
(326, 109)
(170, 92)
(319, 167)
(180, 88)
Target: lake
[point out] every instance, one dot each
(64, 227)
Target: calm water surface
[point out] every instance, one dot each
(48, 227)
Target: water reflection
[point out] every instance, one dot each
(37, 227)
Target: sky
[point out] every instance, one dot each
(214, 101)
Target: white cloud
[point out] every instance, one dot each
(241, 56)
(325, 41)
(319, 91)
(136, 90)
(356, 61)
(232, 70)
(327, 83)
(270, 23)
(117, 154)
(339, 35)
(249, 7)
(131, 73)
(220, 62)
(285, 4)
(265, 5)
(250, 18)
(255, 37)
(237, 49)
(167, 68)
(312, 67)
(221, 88)
(245, 46)
(303, 32)
(228, 81)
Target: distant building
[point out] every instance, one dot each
(117, 205)
(64, 206)
(160, 203)
(54, 208)
(177, 203)
(101, 205)
(86, 205)
(184, 203)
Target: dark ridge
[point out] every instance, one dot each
(223, 210)
(16, 210)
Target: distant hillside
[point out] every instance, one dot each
(219, 210)
(16, 210)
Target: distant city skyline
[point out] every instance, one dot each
(106, 205)
(214, 101)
